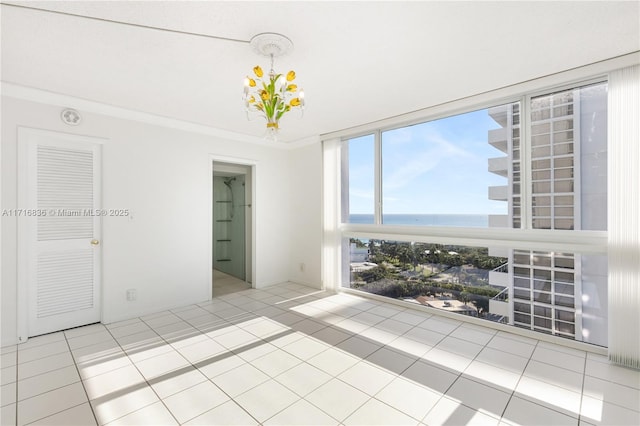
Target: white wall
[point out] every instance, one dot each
(305, 230)
(164, 177)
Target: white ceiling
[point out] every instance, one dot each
(358, 62)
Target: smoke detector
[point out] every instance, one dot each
(71, 117)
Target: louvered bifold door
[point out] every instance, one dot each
(64, 267)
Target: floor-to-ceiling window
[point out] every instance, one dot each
(495, 212)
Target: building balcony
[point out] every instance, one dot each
(499, 193)
(500, 114)
(498, 221)
(499, 252)
(499, 166)
(499, 308)
(498, 139)
(499, 305)
(499, 278)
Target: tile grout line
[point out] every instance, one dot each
(483, 384)
(459, 375)
(563, 385)
(107, 372)
(301, 398)
(60, 387)
(291, 327)
(242, 307)
(210, 379)
(75, 364)
(142, 375)
(16, 390)
(233, 399)
(518, 382)
(548, 384)
(396, 375)
(192, 365)
(297, 365)
(584, 371)
(274, 378)
(341, 422)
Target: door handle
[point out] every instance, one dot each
(95, 242)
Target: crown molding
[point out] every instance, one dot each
(33, 94)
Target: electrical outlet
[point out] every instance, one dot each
(132, 295)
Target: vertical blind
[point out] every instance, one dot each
(624, 216)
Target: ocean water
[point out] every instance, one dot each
(462, 220)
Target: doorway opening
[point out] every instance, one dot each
(232, 194)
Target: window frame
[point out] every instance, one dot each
(525, 237)
(619, 70)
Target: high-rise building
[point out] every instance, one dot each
(564, 294)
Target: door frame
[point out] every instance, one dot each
(253, 166)
(25, 134)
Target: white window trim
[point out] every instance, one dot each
(579, 242)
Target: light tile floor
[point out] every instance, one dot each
(293, 355)
(224, 283)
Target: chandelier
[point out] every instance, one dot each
(273, 95)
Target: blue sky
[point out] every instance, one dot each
(438, 167)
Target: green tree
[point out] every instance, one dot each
(358, 242)
(375, 274)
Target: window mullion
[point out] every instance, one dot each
(377, 218)
(525, 163)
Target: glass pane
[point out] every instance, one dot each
(541, 297)
(358, 179)
(541, 259)
(229, 224)
(541, 175)
(542, 285)
(564, 262)
(522, 307)
(452, 278)
(541, 273)
(566, 277)
(536, 294)
(565, 301)
(542, 311)
(564, 288)
(451, 172)
(565, 328)
(522, 258)
(565, 315)
(579, 174)
(542, 322)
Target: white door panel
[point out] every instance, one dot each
(60, 231)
